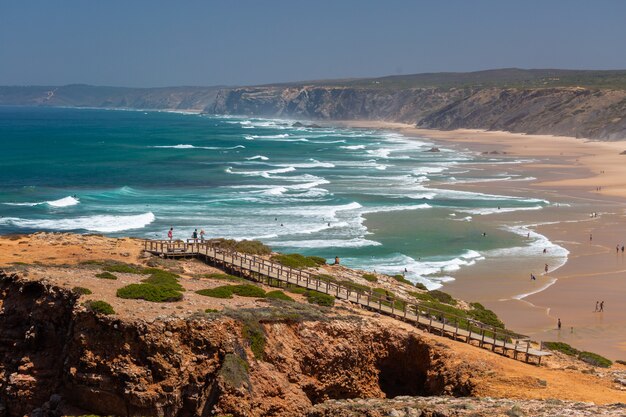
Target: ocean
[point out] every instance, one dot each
(377, 200)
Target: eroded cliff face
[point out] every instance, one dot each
(568, 111)
(56, 356)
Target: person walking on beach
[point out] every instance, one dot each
(532, 277)
(170, 233)
(546, 268)
(558, 324)
(617, 249)
(194, 235)
(622, 249)
(590, 237)
(601, 307)
(202, 235)
(597, 307)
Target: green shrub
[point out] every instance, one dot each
(319, 298)
(82, 290)
(218, 292)
(149, 292)
(484, 315)
(354, 286)
(278, 295)
(124, 268)
(621, 362)
(422, 296)
(370, 277)
(296, 290)
(325, 277)
(318, 260)
(253, 333)
(594, 359)
(251, 247)
(100, 307)
(106, 275)
(402, 279)
(420, 286)
(295, 260)
(561, 347)
(227, 291)
(163, 279)
(248, 290)
(442, 297)
(223, 277)
(211, 310)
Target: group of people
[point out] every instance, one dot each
(599, 307)
(617, 248)
(194, 235)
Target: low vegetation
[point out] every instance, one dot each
(100, 307)
(370, 277)
(123, 268)
(160, 286)
(295, 260)
(227, 291)
(421, 286)
(106, 275)
(149, 292)
(319, 298)
(254, 334)
(484, 315)
(442, 297)
(402, 279)
(223, 277)
(82, 290)
(278, 295)
(251, 247)
(588, 357)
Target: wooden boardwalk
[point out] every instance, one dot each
(498, 340)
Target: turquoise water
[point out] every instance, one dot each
(375, 199)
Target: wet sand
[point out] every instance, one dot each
(567, 172)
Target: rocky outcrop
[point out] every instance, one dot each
(274, 361)
(458, 407)
(569, 111)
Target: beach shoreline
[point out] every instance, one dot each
(580, 177)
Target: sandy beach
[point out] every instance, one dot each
(568, 172)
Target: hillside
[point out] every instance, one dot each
(590, 104)
(80, 95)
(247, 354)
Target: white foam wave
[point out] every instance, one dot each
(97, 223)
(327, 243)
(62, 202)
(261, 157)
(353, 147)
(264, 174)
(556, 255)
(187, 146)
(313, 164)
(496, 210)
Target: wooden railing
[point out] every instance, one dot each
(388, 304)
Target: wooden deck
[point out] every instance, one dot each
(505, 342)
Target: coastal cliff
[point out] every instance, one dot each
(580, 103)
(566, 111)
(247, 355)
(55, 354)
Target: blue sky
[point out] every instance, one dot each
(164, 43)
